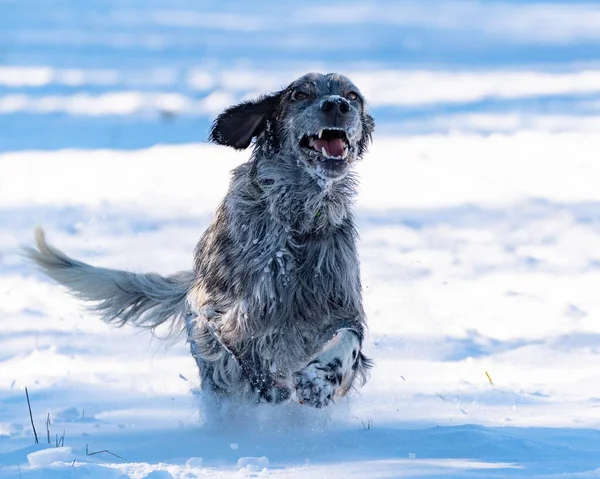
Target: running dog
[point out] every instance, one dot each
(273, 307)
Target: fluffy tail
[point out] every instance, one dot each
(120, 297)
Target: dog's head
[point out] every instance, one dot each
(319, 119)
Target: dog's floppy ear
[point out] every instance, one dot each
(239, 124)
(368, 126)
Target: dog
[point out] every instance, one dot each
(273, 307)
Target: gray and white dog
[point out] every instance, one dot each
(273, 308)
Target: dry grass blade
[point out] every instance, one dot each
(48, 428)
(31, 416)
(60, 441)
(87, 453)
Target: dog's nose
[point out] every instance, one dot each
(335, 104)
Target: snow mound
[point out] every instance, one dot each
(46, 457)
(253, 464)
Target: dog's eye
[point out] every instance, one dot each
(299, 95)
(351, 95)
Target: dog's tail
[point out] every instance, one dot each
(120, 297)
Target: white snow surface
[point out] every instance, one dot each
(481, 272)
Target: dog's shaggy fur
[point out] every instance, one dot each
(273, 308)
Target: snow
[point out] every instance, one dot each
(507, 21)
(479, 220)
(253, 464)
(383, 88)
(483, 267)
(47, 457)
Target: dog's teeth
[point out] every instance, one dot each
(311, 142)
(320, 133)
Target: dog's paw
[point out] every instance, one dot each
(331, 373)
(316, 384)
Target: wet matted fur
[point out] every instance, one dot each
(273, 307)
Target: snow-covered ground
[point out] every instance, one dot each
(481, 257)
(479, 216)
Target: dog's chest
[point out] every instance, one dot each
(299, 296)
(302, 278)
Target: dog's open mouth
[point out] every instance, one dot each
(329, 144)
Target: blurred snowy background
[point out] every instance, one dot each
(479, 216)
(135, 73)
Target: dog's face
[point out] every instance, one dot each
(320, 119)
(324, 117)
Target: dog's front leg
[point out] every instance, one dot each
(331, 372)
(265, 384)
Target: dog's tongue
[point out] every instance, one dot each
(333, 147)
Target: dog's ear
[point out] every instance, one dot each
(368, 126)
(239, 124)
